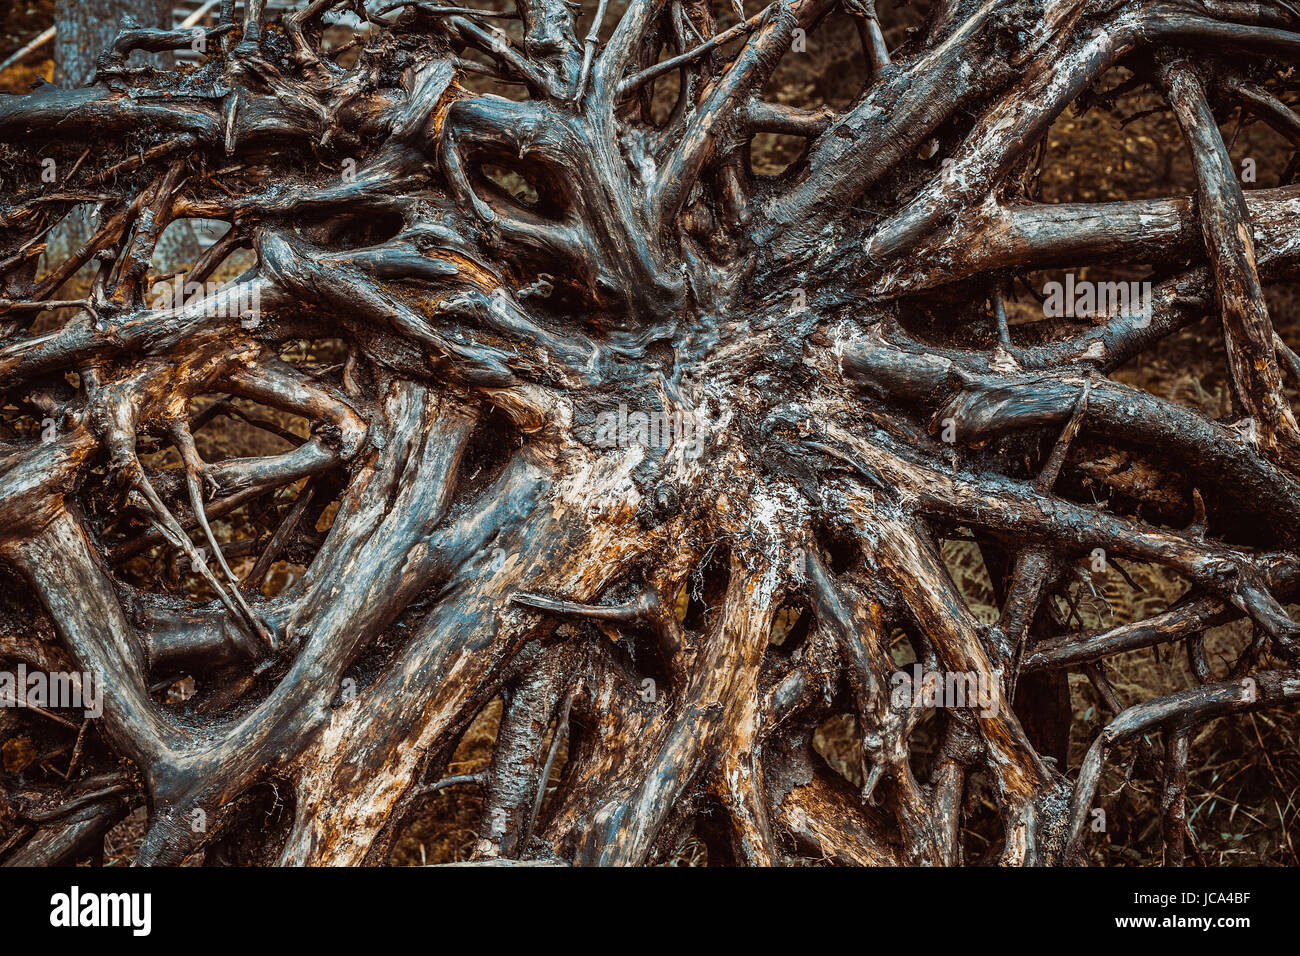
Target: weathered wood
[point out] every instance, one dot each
(644, 448)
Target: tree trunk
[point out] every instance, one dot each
(85, 28)
(595, 419)
(82, 32)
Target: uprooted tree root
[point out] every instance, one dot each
(827, 350)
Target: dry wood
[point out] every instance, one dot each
(479, 509)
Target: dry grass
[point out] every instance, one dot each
(445, 829)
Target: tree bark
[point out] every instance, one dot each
(595, 419)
